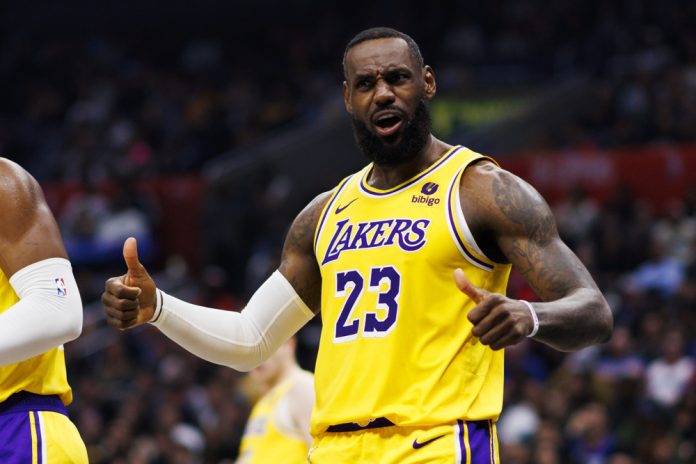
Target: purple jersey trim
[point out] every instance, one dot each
(26, 402)
(375, 193)
(480, 440)
(453, 225)
(327, 211)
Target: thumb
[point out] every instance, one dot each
(467, 287)
(130, 255)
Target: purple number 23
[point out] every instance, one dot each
(352, 283)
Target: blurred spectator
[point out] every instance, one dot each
(591, 439)
(96, 224)
(662, 273)
(576, 217)
(619, 360)
(667, 378)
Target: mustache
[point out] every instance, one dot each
(414, 135)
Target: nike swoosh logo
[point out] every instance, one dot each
(341, 208)
(417, 445)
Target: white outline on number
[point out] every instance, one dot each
(350, 285)
(383, 306)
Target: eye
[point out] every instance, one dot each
(363, 84)
(397, 77)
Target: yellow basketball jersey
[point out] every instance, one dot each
(43, 374)
(263, 441)
(396, 341)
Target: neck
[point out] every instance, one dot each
(386, 176)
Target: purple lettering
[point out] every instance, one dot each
(333, 251)
(401, 226)
(378, 233)
(409, 235)
(405, 241)
(360, 240)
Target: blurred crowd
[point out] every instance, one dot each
(166, 98)
(116, 111)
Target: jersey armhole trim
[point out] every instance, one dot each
(462, 235)
(326, 211)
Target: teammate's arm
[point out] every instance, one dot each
(278, 309)
(513, 223)
(32, 256)
(300, 402)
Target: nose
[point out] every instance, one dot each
(383, 93)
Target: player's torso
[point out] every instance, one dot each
(264, 441)
(395, 341)
(43, 374)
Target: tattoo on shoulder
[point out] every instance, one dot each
(300, 237)
(534, 216)
(544, 268)
(304, 276)
(302, 230)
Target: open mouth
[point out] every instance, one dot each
(387, 124)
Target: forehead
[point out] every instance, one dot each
(377, 55)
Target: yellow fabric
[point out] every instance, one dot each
(34, 439)
(43, 374)
(60, 440)
(263, 442)
(396, 342)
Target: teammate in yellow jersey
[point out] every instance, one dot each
(408, 261)
(40, 309)
(278, 427)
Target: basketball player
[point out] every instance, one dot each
(278, 427)
(40, 309)
(408, 261)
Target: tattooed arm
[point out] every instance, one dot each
(512, 223)
(298, 263)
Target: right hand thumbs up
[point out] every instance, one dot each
(129, 300)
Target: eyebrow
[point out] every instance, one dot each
(388, 70)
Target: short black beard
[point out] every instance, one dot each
(414, 136)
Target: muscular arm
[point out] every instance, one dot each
(32, 255)
(514, 224)
(298, 263)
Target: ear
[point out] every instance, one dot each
(429, 82)
(346, 97)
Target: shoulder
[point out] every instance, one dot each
(316, 206)
(16, 181)
(497, 203)
(20, 194)
(501, 196)
(28, 231)
(304, 225)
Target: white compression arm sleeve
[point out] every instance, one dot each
(48, 313)
(243, 340)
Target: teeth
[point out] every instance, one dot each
(387, 116)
